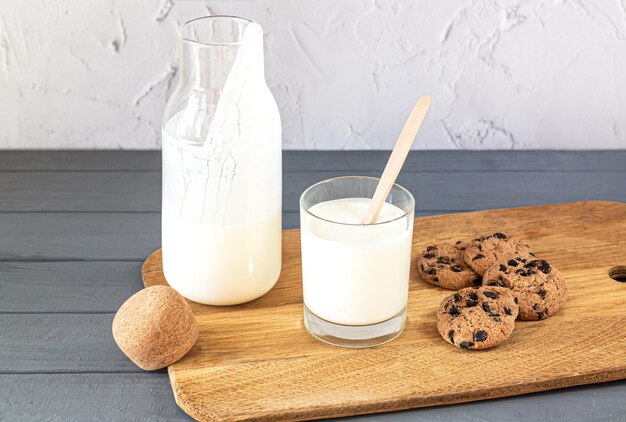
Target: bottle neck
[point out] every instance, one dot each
(209, 67)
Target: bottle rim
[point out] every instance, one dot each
(258, 31)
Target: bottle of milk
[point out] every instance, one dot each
(222, 170)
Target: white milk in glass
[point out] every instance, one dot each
(355, 274)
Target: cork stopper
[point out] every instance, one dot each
(155, 327)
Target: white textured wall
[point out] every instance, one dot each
(503, 74)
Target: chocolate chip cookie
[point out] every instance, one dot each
(483, 252)
(539, 287)
(442, 265)
(477, 317)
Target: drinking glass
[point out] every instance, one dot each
(355, 277)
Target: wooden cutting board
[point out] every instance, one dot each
(257, 361)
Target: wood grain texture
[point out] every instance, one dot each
(79, 160)
(78, 236)
(442, 161)
(459, 160)
(256, 361)
(62, 393)
(474, 190)
(87, 397)
(28, 287)
(398, 155)
(481, 190)
(87, 191)
(43, 343)
(148, 397)
(89, 236)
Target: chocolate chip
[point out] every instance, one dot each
(542, 294)
(493, 283)
(535, 306)
(541, 315)
(486, 308)
(480, 247)
(436, 279)
(496, 318)
(500, 235)
(491, 295)
(522, 260)
(477, 281)
(456, 268)
(443, 260)
(508, 311)
(430, 248)
(470, 303)
(479, 256)
(451, 336)
(516, 300)
(429, 255)
(480, 335)
(500, 282)
(457, 297)
(473, 296)
(466, 344)
(544, 267)
(454, 311)
(458, 242)
(520, 271)
(502, 267)
(431, 271)
(512, 263)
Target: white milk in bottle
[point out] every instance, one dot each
(221, 211)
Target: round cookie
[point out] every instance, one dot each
(477, 317)
(442, 265)
(483, 252)
(539, 287)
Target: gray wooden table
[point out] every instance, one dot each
(76, 226)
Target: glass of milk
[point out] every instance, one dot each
(355, 277)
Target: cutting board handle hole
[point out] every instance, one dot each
(618, 274)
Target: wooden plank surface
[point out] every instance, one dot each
(485, 190)
(438, 161)
(63, 230)
(82, 397)
(78, 236)
(148, 396)
(58, 287)
(90, 236)
(141, 191)
(54, 343)
(257, 362)
(451, 161)
(33, 160)
(89, 191)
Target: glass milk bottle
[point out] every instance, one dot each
(222, 169)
